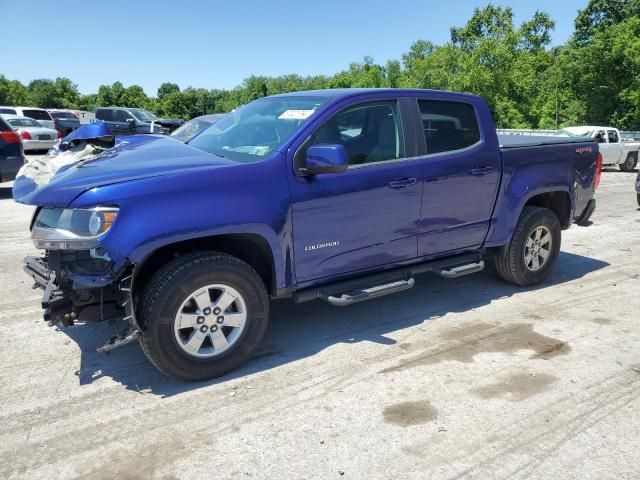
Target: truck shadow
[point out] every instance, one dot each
(298, 331)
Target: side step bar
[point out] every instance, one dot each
(354, 290)
(460, 270)
(361, 295)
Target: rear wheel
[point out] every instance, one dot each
(530, 256)
(629, 164)
(203, 315)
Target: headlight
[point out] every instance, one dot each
(71, 228)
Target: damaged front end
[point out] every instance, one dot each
(80, 281)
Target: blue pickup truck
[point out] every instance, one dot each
(340, 195)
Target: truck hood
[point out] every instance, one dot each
(135, 157)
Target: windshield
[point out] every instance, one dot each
(24, 122)
(143, 115)
(576, 132)
(255, 130)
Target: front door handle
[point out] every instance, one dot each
(402, 182)
(481, 171)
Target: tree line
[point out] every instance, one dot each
(594, 78)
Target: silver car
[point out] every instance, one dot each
(34, 135)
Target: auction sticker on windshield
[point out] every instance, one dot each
(295, 114)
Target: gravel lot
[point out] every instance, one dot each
(467, 378)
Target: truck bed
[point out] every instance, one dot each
(508, 141)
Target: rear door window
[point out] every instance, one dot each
(104, 114)
(37, 114)
(613, 136)
(448, 126)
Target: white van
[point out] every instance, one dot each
(39, 114)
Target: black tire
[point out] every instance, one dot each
(166, 291)
(509, 260)
(638, 198)
(629, 164)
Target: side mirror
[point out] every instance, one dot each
(325, 158)
(131, 121)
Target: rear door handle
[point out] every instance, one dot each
(481, 171)
(402, 182)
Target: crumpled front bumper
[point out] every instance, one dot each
(57, 303)
(61, 302)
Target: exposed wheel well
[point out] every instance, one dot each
(557, 202)
(252, 249)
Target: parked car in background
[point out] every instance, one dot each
(11, 152)
(39, 114)
(194, 126)
(129, 121)
(65, 121)
(339, 195)
(34, 136)
(614, 150)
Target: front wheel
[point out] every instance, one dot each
(629, 164)
(202, 316)
(529, 257)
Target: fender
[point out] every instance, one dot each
(164, 210)
(520, 183)
(279, 252)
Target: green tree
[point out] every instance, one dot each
(166, 88)
(602, 14)
(87, 102)
(593, 78)
(255, 87)
(607, 75)
(110, 95)
(42, 93)
(134, 97)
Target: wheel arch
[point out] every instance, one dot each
(558, 201)
(251, 248)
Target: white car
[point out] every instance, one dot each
(614, 150)
(34, 136)
(39, 114)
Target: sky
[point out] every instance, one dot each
(202, 43)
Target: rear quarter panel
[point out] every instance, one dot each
(530, 171)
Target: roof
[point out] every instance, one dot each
(334, 93)
(18, 106)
